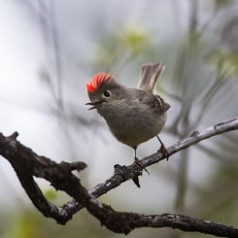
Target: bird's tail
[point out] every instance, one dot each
(150, 73)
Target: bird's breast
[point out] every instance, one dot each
(133, 125)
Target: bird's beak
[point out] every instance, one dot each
(94, 104)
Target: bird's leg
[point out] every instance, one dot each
(163, 149)
(136, 178)
(137, 161)
(135, 158)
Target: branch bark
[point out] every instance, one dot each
(28, 164)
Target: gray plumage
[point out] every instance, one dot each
(133, 115)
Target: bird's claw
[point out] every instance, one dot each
(138, 162)
(164, 151)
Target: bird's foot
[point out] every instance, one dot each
(138, 162)
(126, 172)
(163, 150)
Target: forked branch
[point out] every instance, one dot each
(28, 164)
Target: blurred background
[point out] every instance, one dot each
(48, 51)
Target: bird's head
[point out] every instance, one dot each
(102, 89)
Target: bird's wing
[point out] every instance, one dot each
(149, 101)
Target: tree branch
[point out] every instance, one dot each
(28, 164)
(133, 169)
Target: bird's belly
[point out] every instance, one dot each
(136, 130)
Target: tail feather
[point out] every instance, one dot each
(150, 73)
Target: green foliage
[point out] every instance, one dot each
(121, 46)
(226, 63)
(222, 3)
(23, 225)
(135, 40)
(50, 194)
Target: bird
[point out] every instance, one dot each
(133, 115)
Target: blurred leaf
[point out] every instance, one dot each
(226, 63)
(116, 48)
(50, 194)
(23, 226)
(134, 39)
(222, 3)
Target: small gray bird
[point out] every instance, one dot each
(134, 115)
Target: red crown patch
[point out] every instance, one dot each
(97, 80)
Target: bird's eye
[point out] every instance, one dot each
(107, 93)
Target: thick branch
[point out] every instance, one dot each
(28, 164)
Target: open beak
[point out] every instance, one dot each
(94, 104)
